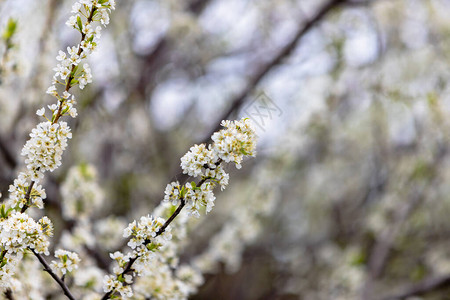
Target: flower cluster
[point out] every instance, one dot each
(28, 281)
(172, 193)
(19, 190)
(69, 71)
(190, 277)
(144, 230)
(66, 105)
(196, 197)
(235, 142)
(198, 157)
(145, 239)
(19, 232)
(118, 282)
(90, 278)
(68, 261)
(230, 145)
(9, 264)
(45, 148)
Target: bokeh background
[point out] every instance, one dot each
(348, 197)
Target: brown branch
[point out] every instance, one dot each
(8, 294)
(98, 257)
(158, 233)
(27, 197)
(53, 275)
(72, 71)
(61, 102)
(2, 255)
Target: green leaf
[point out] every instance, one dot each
(151, 246)
(182, 192)
(10, 29)
(65, 110)
(80, 25)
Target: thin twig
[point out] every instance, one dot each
(53, 275)
(158, 233)
(27, 197)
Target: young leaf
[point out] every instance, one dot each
(80, 25)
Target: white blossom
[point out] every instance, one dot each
(234, 142)
(40, 112)
(68, 261)
(19, 231)
(44, 149)
(172, 193)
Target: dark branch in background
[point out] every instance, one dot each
(421, 288)
(7, 165)
(197, 6)
(158, 57)
(383, 247)
(7, 155)
(238, 101)
(8, 294)
(53, 275)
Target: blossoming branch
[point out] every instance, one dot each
(44, 149)
(151, 236)
(151, 265)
